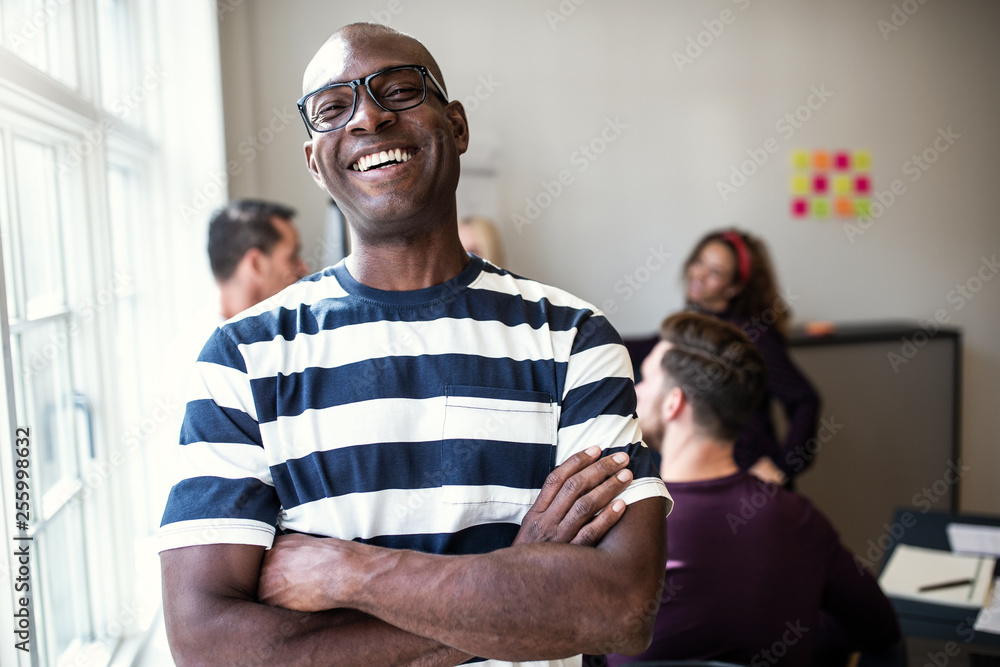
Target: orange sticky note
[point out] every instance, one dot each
(844, 207)
(821, 160)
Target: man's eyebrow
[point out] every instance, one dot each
(331, 82)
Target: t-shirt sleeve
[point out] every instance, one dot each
(598, 407)
(225, 494)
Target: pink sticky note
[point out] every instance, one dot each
(800, 207)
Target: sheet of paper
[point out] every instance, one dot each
(970, 539)
(911, 568)
(988, 619)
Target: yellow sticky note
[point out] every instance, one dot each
(800, 184)
(842, 185)
(800, 160)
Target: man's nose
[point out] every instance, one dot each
(368, 115)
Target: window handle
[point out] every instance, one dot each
(81, 403)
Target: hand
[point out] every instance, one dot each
(572, 494)
(306, 573)
(766, 471)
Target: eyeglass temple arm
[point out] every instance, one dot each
(440, 88)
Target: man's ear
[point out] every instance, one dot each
(459, 123)
(311, 164)
(672, 405)
(251, 265)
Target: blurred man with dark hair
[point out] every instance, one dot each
(755, 573)
(254, 250)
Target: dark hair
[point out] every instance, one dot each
(760, 291)
(719, 370)
(239, 226)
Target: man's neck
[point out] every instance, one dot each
(689, 457)
(408, 264)
(233, 299)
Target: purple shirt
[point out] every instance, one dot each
(749, 568)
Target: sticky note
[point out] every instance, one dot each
(800, 160)
(800, 184)
(820, 208)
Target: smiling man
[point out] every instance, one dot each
(431, 435)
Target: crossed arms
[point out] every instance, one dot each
(571, 583)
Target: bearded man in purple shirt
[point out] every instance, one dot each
(755, 573)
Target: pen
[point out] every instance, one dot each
(944, 584)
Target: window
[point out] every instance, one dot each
(42, 329)
(43, 33)
(86, 168)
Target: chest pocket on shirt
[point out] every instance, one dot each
(498, 445)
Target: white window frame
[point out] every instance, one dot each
(34, 103)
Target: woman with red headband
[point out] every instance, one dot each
(729, 275)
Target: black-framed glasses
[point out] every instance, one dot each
(394, 89)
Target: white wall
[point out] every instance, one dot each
(556, 85)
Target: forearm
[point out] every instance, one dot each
(799, 402)
(802, 416)
(233, 631)
(213, 617)
(527, 602)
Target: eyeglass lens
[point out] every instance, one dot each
(395, 90)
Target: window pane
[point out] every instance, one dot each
(119, 93)
(122, 199)
(46, 405)
(7, 239)
(121, 192)
(42, 32)
(63, 611)
(37, 219)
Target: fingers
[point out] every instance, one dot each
(572, 500)
(573, 503)
(557, 478)
(581, 521)
(594, 532)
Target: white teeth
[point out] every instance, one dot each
(375, 159)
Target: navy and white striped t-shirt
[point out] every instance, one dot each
(425, 419)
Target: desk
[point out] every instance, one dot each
(929, 627)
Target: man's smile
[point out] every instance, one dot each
(384, 159)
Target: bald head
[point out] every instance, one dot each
(344, 46)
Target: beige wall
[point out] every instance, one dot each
(555, 85)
